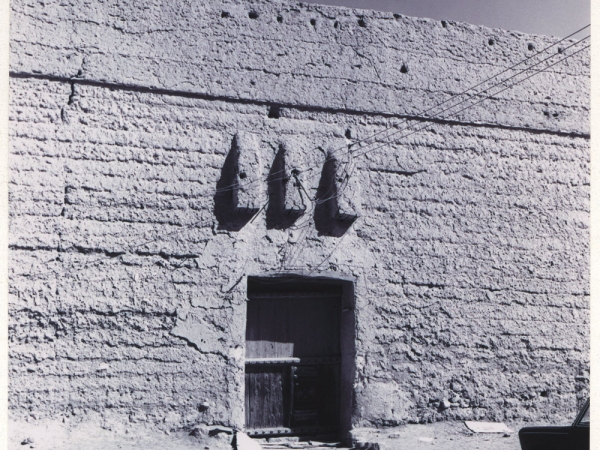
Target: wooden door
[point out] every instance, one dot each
(293, 363)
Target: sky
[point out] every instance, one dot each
(549, 17)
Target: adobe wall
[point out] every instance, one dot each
(128, 284)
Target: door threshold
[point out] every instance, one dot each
(301, 432)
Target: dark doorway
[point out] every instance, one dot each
(293, 376)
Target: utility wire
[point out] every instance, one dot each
(477, 94)
(348, 175)
(350, 154)
(423, 112)
(488, 96)
(472, 96)
(202, 224)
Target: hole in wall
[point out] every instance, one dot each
(362, 23)
(336, 24)
(243, 175)
(491, 42)
(444, 24)
(202, 407)
(560, 49)
(404, 69)
(224, 14)
(530, 47)
(348, 134)
(253, 15)
(274, 112)
(313, 22)
(397, 16)
(279, 19)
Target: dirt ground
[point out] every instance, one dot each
(441, 436)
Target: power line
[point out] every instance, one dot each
(343, 186)
(483, 91)
(423, 112)
(491, 95)
(202, 224)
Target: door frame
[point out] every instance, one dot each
(289, 282)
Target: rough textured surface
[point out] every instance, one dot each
(447, 435)
(55, 435)
(129, 262)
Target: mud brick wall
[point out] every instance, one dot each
(469, 256)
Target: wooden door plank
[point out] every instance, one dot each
(280, 328)
(265, 402)
(247, 398)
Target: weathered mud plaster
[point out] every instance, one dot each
(466, 243)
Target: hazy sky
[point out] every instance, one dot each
(549, 17)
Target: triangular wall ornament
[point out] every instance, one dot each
(248, 194)
(295, 196)
(240, 191)
(288, 199)
(338, 194)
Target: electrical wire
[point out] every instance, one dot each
(351, 156)
(348, 174)
(491, 95)
(427, 125)
(423, 112)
